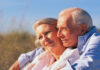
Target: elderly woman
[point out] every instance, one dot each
(46, 33)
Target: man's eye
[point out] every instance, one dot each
(64, 28)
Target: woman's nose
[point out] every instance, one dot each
(45, 38)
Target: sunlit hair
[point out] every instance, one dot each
(49, 21)
(82, 17)
(79, 16)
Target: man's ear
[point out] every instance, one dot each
(83, 29)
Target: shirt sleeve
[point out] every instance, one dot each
(28, 57)
(89, 60)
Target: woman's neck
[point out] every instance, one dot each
(57, 52)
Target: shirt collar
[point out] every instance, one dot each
(83, 39)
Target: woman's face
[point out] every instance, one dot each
(47, 35)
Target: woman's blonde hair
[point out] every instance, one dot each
(49, 21)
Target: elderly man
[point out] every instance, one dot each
(75, 29)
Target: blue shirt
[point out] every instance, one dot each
(28, 57)
(89, 49)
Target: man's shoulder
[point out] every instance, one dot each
(96, 35)
(95, 38)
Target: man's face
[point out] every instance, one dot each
(68, 32)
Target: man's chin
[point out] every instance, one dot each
(66, 45)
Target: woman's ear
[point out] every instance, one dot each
(83, 29)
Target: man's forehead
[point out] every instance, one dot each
(61, 22)
(64, 20)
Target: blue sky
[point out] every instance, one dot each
(20, 14)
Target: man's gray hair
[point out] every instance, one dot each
(82, 17)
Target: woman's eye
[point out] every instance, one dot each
(40, 37)
(47, 32)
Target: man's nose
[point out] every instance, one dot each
(59, 33)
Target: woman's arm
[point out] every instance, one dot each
(15, 66)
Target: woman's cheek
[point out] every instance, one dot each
(41, 43)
